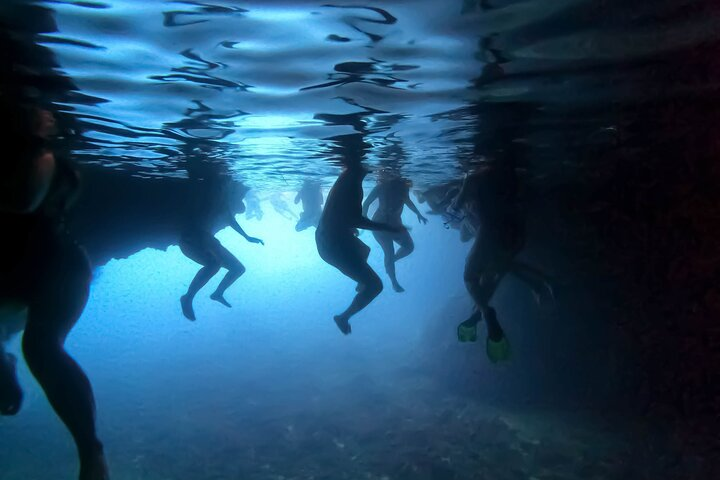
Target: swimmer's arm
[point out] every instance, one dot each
(411, 206)
(367, 224)
(369, 200)
(25, 191)
(236, 226)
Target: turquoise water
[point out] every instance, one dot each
(269, 389)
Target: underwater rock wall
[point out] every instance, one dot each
(649, 207)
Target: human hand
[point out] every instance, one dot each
(255, 240)
(422, 219)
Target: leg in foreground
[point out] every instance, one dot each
(51, 316)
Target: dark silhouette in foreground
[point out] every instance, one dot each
(44, 280)
(489, 194)
(393, 194)
(215, 208)
(338, 244)
(311, 197)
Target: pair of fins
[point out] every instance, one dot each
(497, 350)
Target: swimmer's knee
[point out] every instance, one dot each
(233, 265)
(213, 267)
(409, 247)
(374, 287)
(36, 349)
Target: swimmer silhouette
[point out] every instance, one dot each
(393, 194)
(336, 236)
(214, 207)
(312, 200)
(44, 279)
(280, 205)
(489, 195)
(254, 211)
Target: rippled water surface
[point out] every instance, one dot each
(568, 92)
(269, 82)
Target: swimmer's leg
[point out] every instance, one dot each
(210, 266)
(371, 288)
(388, 248)
(353, 264)
(407, 246)
(485, 267)
(365, 254)
(10, 392)
(50, 317)
(234, 270)
(481, 289)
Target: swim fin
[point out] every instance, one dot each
(498, 351)
(467, 331)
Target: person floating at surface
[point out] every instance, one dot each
(393, 194)
(489, 197)
(439, 197)
(280, 205)
(215, 209)
(338, 244)
(253, 206)
(489, 194)
(44, 277)
(311, 197)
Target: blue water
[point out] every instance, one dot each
(270, 389)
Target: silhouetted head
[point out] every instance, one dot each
(44, 124)
(387, 175)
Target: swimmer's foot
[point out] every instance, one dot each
(498, 350)
(343, 324)
(397, 287)
(218, 297)
(467, 331)
(10, 392)
(495, 331)
(94, 468)
(187, 308)
(497, 346)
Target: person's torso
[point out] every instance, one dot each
(343, 205)
(32, 238)
(391, 201)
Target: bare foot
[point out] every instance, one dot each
(398, 288)
(219, 298)
(187, 308)
(343, 324)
